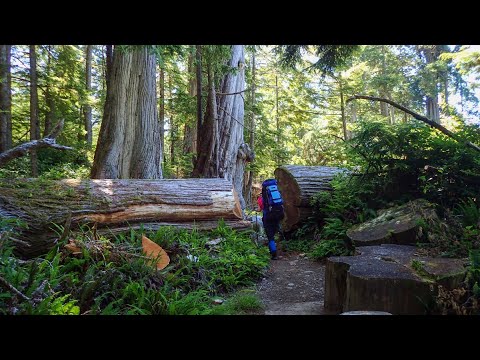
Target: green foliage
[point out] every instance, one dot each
(330, 56)
(243, 302)
(111, 277)
(473, 276)
(469, 212)
(326, 248)
(411, 160)
(298, 244)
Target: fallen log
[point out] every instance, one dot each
(113, 206)
(297, 185)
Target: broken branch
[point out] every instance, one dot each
(418, 117)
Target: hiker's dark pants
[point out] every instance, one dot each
(270, 227)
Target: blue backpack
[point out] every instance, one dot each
(272, 201)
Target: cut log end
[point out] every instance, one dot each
(298, 184)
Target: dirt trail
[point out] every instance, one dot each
(293, 285)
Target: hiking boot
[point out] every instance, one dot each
(274, 255)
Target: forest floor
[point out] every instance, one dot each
(293, 285)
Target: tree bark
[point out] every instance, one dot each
(277, 125)
(383, 87)
(162, 110)
(433, 111)
(88, 86)
(223, 152)
(297, 185)
(129, 140)
(173, 127)
(250, 175)
(34, 121)
(109, 63)
(342, 108)
(190, 133)
(233, 152)
(198, 58)
(426, 120)
(113, 206)
(5, 98)
(207, 164)
(50, 113)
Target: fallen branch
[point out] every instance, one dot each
(23, 149)
(5, 284)
(418, 117)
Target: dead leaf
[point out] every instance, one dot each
(155, 252)
(72, 247)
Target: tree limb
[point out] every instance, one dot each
(418, 117)
(23, 149)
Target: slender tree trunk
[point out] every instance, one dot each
(173, 126)
(354, 112)
(50, 114)
(431, 104)
(34, 122)
(251, 174)
(5, 98)
(342, 108)
(277, 124)
(392, 114)
(198, 57)
(190, 133)
(129, 140)
(162, 109)
(88, 86)
(383, 88)
(447, 111)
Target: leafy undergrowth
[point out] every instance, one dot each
(102, 276)
(243, 302)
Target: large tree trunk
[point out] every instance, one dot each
(88, 86)
(108, 63)
(34, 121)
(222, 151)
(5, 98)
(129, 140)
(114, 206)
(297, 185)
(233, 153)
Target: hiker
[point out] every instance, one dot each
(270, 203)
